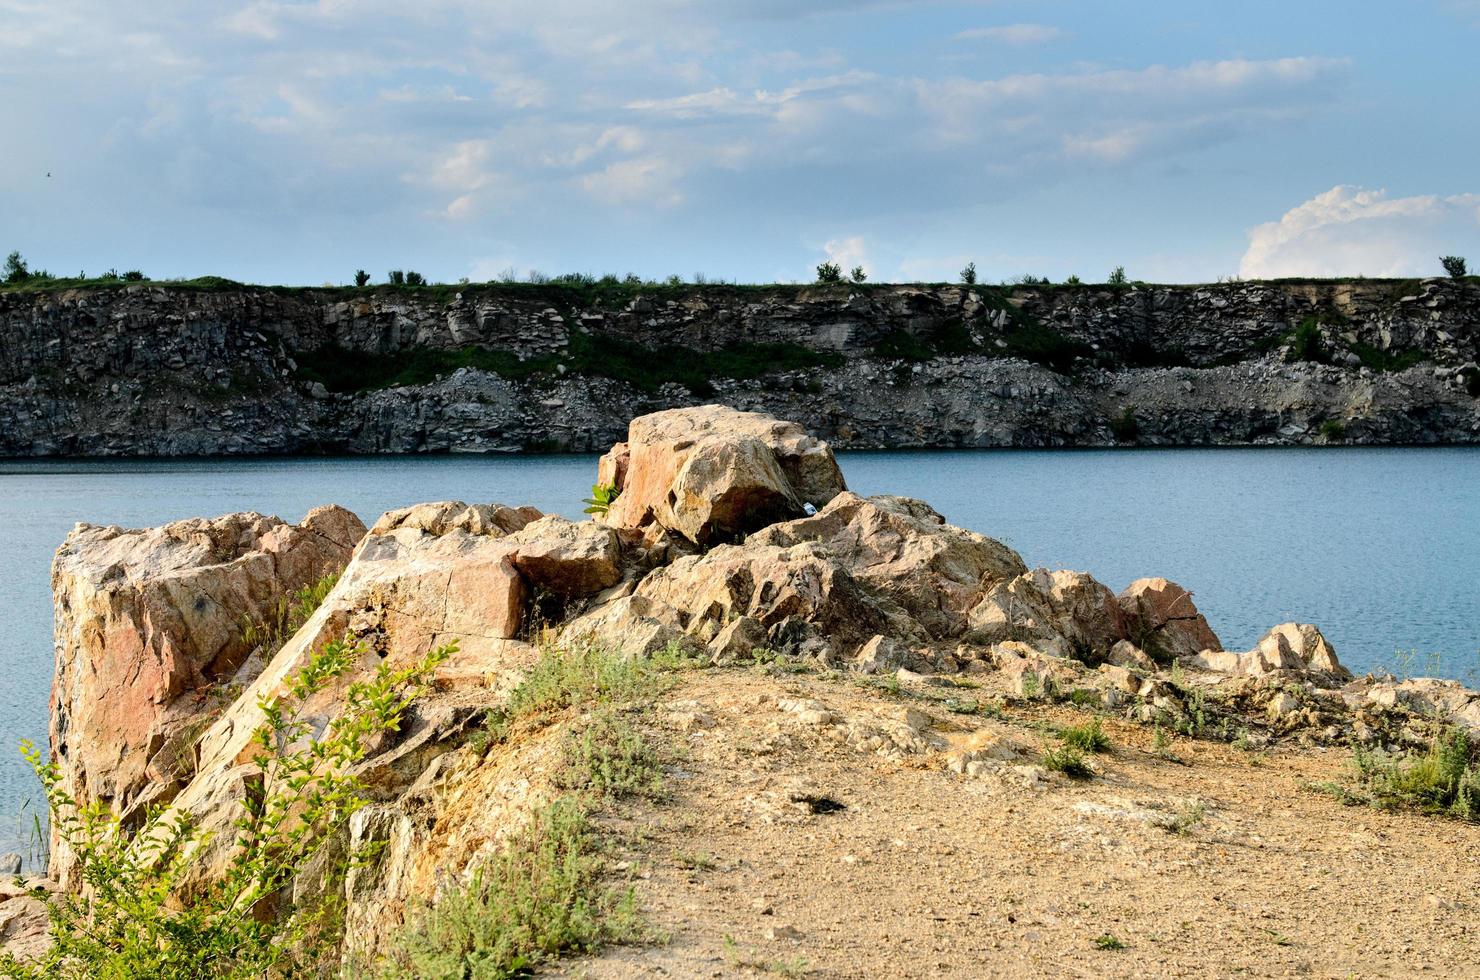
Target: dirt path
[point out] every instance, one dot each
(1218, 865)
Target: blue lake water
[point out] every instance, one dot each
(1379, 547)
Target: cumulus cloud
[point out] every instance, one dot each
(848, 253)
(1012, 34)
(1355, 231)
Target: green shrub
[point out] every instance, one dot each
(539, 898)
(1445, 779)
(1306, 344)
(1454, 265)
(829, 272)
(1333, 430)
(611, 759)
(968, 274)
(396, 277)
(1073, 281)
(16, 269)
(1069, 761)
(362, 278)
(415, 278)
(1089, 737)
(134, 275)
(1117, 276)
(858, 274)
(1376, 359)
(132, 919)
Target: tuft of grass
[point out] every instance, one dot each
(287, 616)
(1089, 737)
(1108, 942)
(577, 672)
(1443, 780)
(791, 967)
(1069, 761)
(1189, 816)
(695, 860)
(539, 899)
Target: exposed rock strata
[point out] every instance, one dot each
(152, 370)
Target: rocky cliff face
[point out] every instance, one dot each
(735, 539)
(156, 369)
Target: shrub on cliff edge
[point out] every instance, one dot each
(1454, 265)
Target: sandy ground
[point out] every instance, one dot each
(1224, 863)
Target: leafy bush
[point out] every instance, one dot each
(1333, 430)
(968, 274)
(415, 279)
(1117, 276)
(362, 278)
(1454, 265)
(1445, 779)
(1089, 737)
(603, 495)
(829, 272)
(540, 897)
(133, 918)
(1069, 761)
(1072, 281)
(396, 277)
(1306, 344)
(858, 274)
(134, 275)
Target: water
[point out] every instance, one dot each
(1380, 547)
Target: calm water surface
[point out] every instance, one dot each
(1380, 547)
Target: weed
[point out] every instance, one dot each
(540, 898)
(739, 960)
(695, 860)
(1089, 737)
(1187, 817)
(287, 616)
(1108, 942)
(1445, 779)
(1333, 430)
(603, 495)
(612, 759)
(1069, 761)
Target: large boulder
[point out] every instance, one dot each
(567, 558)
(148, 622)
(907, 552)
(712, 473)
(1061, 613)
(1164, 622)
(414, 585)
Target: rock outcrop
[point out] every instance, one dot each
(712, 553)
(149, 633)
(226, 369)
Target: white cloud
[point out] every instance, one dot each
(1012, 34)
(639, 180)
(1355, 231)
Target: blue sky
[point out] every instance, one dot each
(749, 139)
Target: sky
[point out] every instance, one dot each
(746, 140)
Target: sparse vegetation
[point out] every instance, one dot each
(968, 274)
(1088, 737)
(135, 920)
(1333, 430)
(1187, 817)
(287, 616)
(1117, 277)
(1069, 761)
(1454, 265)
(611, 759)
(1109, 943)
(540, 897)
(1445, 779)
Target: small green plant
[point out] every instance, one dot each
(1117, 276)
(695, 861)
(968, 274)
(132, 918)
(396, 277)
(539, 898)
(1072, 281)
(415, 278)
(1333, 430)
(1089, 737)
(612, 759)
(1445, 779)
(287, 616)
(829, 272)
(16, 269)
(858, 274)
(1454, 265)
(1306, 343)
(603, 495)
(1069, 761)
(1109, 943)
(1187, 817)
(362, 278)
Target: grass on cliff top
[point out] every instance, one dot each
(591, 355)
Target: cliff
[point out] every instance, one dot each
(719, 731)
(219, 368)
